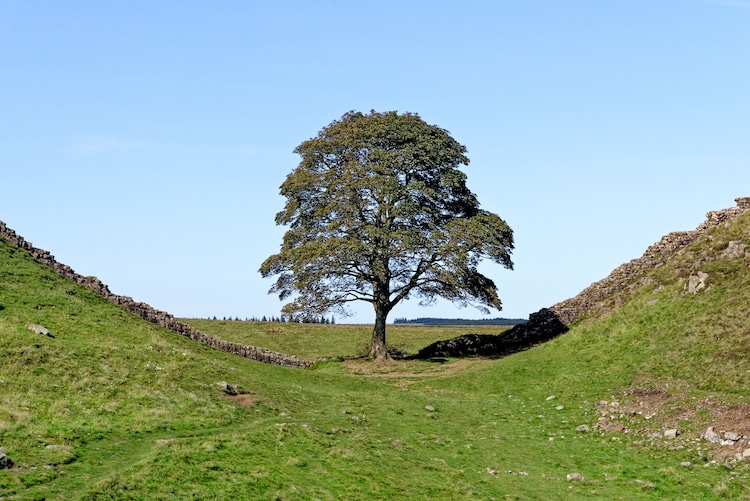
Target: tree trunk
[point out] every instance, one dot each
(378, 348)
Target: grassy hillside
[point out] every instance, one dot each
(114, 408)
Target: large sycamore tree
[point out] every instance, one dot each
(378, 211)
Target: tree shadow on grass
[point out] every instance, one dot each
(541, 327)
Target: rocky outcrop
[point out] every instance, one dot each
(150, 314)
(632, 274)
(549, 323)
(542, 326)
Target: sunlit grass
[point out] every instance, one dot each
(113, 408)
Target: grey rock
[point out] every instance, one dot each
(711, 436)
(735, 249)
(574, 477)
(583, 428)
(730, 435)
(39, 329)
(697, 282)
(671, 433)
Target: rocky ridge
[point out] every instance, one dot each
(548, 323)
(631, 275)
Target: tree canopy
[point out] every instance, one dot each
(379, 211)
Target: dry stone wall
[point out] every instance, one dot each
(150, 314)
(629, 275)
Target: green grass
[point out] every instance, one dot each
(339, 340)
(114, 408)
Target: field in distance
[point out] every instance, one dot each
(331, 340)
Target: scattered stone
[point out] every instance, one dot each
(583, 428)
(39, 329)
(671, 433)
(52, 447)
(730, 435)
(551, 397)
(559, 407)
(711, 436)
(429, 408)
(575, 477)
(686, 463)
(746, 454)
(229, 389)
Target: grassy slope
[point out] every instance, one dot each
(120, 428)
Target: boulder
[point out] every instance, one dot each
(39, 329)
(711, 436)
(5, 462)
(733, 436)
(697, 282)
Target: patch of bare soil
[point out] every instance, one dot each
(715, 424)
(243, 399)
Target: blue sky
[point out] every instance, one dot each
(144, 142)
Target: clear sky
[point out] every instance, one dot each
(144, 141)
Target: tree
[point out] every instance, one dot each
(378, 211)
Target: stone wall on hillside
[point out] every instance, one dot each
(150, 314)
(630, 275)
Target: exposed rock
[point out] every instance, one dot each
(583, 428)
(671, 433)
(575, 477)
(5, 461)
(735, 249)
(39, 329)
(229, 389)
(697, 282)
(711, 436)
(730, 435)
(617, 286)
(541, 326)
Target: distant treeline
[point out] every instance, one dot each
(282, 319)
(460, 321)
